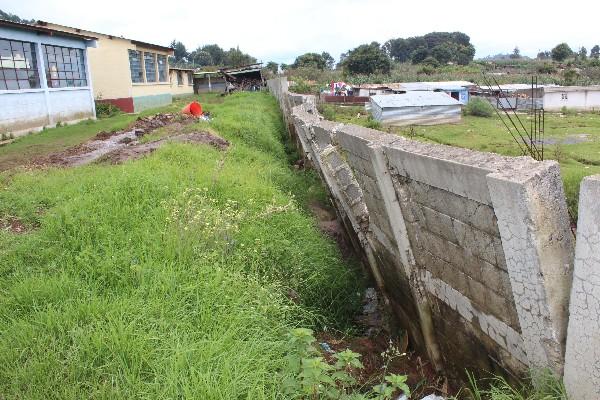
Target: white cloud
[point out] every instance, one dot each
(279, 29)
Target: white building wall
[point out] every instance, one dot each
(584, 99)
(23, 111)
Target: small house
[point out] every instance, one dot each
(130, 74)
(182, 81)
(45, 78)
(416, 108)
(458, 90)
(583, 98)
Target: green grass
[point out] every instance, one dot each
(547, 387)
(489, 134)
(166, 277)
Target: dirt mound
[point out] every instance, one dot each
(122, 145)
(136, 151)
(204, 138)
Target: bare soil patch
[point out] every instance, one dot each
(14, 225)
(117, 147)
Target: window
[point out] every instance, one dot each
(564, 96)
(18, 65)
(162, 67)
(179, 78)
(150, 66)
(65, 66)
(190, 78)
(135, 66)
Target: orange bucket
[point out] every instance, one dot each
(194, 108)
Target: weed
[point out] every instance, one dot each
(310, 376)
(479, 107)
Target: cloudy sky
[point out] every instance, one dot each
(279, 30)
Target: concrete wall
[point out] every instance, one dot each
(574, 97)
(187, 86)
(22, 111)
(473, 250)
(582, 369)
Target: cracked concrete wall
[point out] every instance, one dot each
(582, 365)
(473, 250)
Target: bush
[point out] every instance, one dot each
(105, 110)
(479, 108)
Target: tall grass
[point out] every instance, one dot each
(167, 277)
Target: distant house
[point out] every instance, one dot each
(584, 98)
(182, 81)
(416, 108)
(44, 77)
(130, 74)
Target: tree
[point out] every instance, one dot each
(595, 52)
(329, 60)
(449, 46)
(367, 59)
(419, 55)
(582, 53)
(398, 49)
(284, 67)
(543, 55)
(15, 18)
(516, 53)
(561, 52)
(180, 52)
(310, 60)
(202, 58)
(234, 57)
(442, 53)
(465, 54)
(217, 54)
(272, 66)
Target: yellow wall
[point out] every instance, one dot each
(186, 88)
(109, 65)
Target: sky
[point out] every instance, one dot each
(279, 30)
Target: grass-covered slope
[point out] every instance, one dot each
(174, 276)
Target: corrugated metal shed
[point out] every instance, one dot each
(416, 108)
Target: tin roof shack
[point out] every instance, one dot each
(44, 77)
(209, 81)
(416, 108)
(130, 74)
(182, 81)
(459, 90)
(583, 98)
(247, 77)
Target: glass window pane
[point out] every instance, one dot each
(10, 74)
(150, 66)
(2, 84)
(12, 85)
(65, 70)
(24, 84)
(135, 66)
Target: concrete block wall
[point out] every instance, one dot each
(473, 250)
(582, 367)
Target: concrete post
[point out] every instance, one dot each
(538, 245)
(582, 363)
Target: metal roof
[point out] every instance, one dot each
(41, 29)
(550, 89)
(414, 99)
(43, 25)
